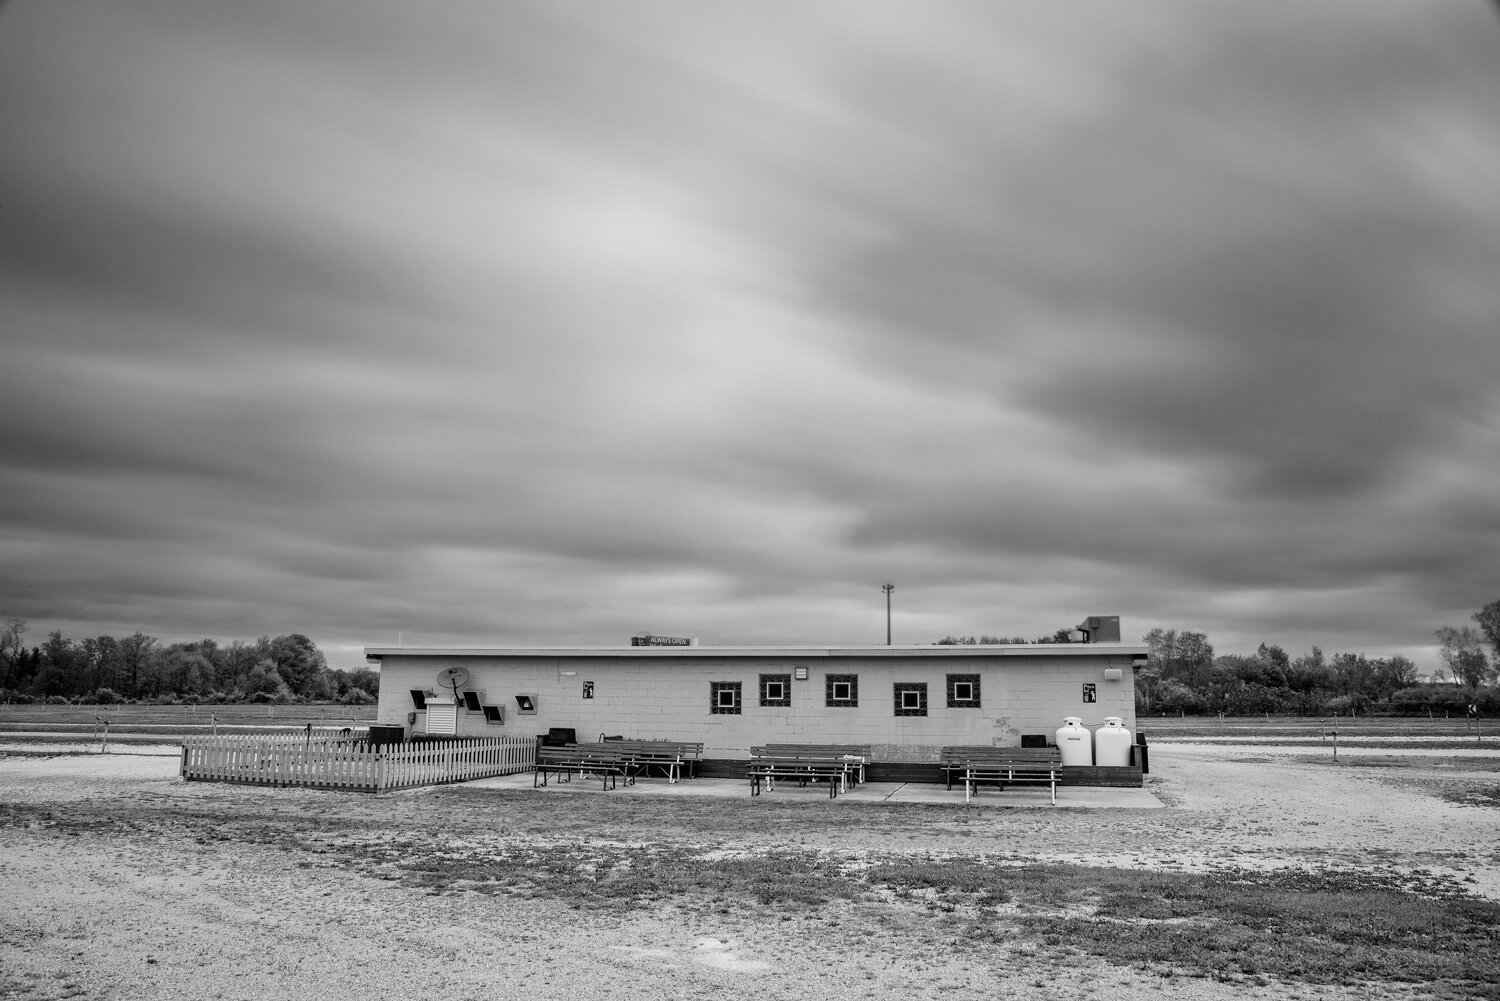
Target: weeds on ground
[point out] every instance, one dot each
(1328, 928)
(1475, 795)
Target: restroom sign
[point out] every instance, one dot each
(1090, 693)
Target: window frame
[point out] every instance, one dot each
(784, 700)
(830, 683)
(901, 689)
(716, 692)
(952, 682)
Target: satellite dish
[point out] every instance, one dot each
(454, 678)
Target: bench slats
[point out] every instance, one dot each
(840, 765)
(613, 759)
(1001, 766)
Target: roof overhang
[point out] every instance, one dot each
(721, 652)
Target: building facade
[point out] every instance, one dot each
(905, 702)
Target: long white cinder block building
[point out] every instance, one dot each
(905, 702)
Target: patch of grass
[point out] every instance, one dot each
(1475, 795)
(618, 877)
(1322, 930)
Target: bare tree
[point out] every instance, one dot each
(1462, 649)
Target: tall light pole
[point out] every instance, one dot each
(888, 588)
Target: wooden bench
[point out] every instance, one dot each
(599, 760)
(1001, 766)
(857, 754)
(840, 765)
(674, 757)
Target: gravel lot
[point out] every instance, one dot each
(125, 882)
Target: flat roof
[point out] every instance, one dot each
(927, 650)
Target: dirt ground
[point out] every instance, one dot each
(123, 882)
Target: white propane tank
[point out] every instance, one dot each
(1075, 742)
(1112, 743)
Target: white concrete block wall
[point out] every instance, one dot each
(670, 698)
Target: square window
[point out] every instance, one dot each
(494, 714)
(963, 691)
(911, 698)
(724, 698)
(841, 690)
(526, 704)
(775, 689)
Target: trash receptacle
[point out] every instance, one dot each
(382, 735)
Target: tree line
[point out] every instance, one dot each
(108, 669)
(1183, 675)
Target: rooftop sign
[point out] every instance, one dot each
(646, 639)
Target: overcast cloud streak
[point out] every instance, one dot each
(533, 323)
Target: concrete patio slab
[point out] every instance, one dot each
(1018, 797)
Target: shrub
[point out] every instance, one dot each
(1344, 705)
(107, 697)
(1453, 700)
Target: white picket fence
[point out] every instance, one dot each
(351, 765)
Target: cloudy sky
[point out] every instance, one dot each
(552, 323)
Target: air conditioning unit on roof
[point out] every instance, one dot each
(1100, 629)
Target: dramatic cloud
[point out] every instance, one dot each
(528, 323)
